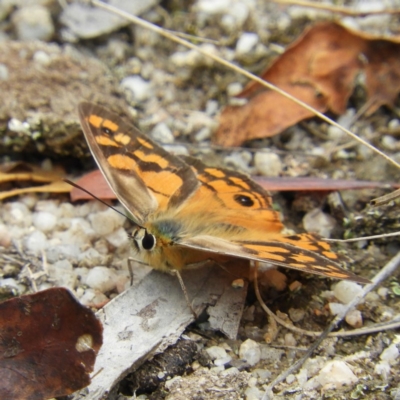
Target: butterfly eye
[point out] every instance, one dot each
(243, 200)
(148, 241)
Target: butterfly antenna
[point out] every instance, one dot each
(100, 200)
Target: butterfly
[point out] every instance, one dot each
(187, 213)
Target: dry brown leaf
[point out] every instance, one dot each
(21, 171)
(95, 183)
(314, 184)
(319, 68)
(48, 346)
(54, 187)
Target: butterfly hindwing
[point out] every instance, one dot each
(279, 253)
(240, 200)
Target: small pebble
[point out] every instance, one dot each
(316, 221)
(69, 251)
(262, 374)
(302, 376)
(213, 6)
(79, 232)
(203, 134)
(390, 354)
(101, 278)
(44, 221)
(345, 291)
(354, 318)
(162, 134)
(139, 90)
(118, 238)
(239, 161)
(336, 374)
(105, 222)
(233, 371)
(254, 332)
(253, 393)
(211, 107)
(290, 379)
(5, 236)
(33, 23)
(383, 292)
(30, 200)
(193, 58)
(290, 340)
(388, 142)
(296, 314)
(336, 308)
(83, 210)
(344, 120)
(238, 283)
(250, 351)
(177, 150)
(92, 298)
(63, 273)
(252, 382)
(239, 10)
(246, 42)
(222, 361)
(47, 206)
(123, 281)
(42, 58)
(36, 242)
(217, 370)
(268, 164)
(16, 213)
(383, 369)
(270, 354)
(394, 123)
(12, 287)
(15, 125)
(233, 89)
(101, 246)
(66, 210)
(216, 352)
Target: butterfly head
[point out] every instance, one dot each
(143, 240)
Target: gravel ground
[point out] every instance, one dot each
(175, 96)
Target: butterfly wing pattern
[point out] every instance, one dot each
(187, 212)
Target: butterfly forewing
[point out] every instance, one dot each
(145, 178)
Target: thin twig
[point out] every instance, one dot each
(136, 20)
(381, 236)
(387, 198)
(336, 9)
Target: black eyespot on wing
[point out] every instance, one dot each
(243, 200)
(148, 241)
(106, 131)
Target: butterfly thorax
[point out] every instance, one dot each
(157, 245)
(154, 245)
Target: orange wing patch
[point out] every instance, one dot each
(103, 140)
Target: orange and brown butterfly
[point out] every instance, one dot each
(187, 212)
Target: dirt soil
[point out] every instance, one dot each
(48, 79)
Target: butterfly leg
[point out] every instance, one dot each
(179, 276)
(131, 260)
